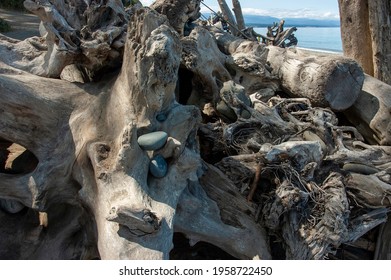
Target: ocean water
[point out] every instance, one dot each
(317, 38)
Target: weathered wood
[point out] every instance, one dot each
(369, 190)
(355, 32)
(383, 245)
(365, 27)
(113, 168)
(331, 223)
(373, 122)
(237, 8)
(379, 24)
(74, 36)
(228, 16)
(326, 80)
(178, 12)
(234, 232)
(89, 163)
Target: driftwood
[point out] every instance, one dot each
(228, 17)
(327, 81)
(178, 13)
(238, 14)
(184, 134)
(366, 35)
(356, 21)
(374, 121)
(277, 36)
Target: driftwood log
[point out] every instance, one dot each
(163, 134)
(373, 122)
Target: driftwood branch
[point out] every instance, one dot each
(237, 8)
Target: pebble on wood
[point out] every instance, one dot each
(158, 166)
(152, 141)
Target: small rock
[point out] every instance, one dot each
(226, 111)
(236, 89)
(245, 114)
(158, 166)
(311, 136)
(152, 141)
(161, 117)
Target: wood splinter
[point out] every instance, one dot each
(254, 185)
(43, 219)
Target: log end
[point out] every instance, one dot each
(344, 83)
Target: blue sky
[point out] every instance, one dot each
(324, 9)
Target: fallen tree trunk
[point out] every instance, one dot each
(373, 122)
(327, 81)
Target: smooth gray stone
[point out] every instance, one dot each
(241, 95)
(158, 166)
(152, 141)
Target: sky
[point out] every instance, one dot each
(324, 9)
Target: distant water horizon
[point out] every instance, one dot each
(316, 38)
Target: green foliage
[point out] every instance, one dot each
(12, 4)
(4, 26)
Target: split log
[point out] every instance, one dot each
(326, 80)
(373, 122)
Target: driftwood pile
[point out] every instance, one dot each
(118, 131)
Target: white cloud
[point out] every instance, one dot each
(147, 2)
(297, 13)
(278, 13)
(283, 13)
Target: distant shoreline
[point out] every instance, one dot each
(321, 51)
(257, 25)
